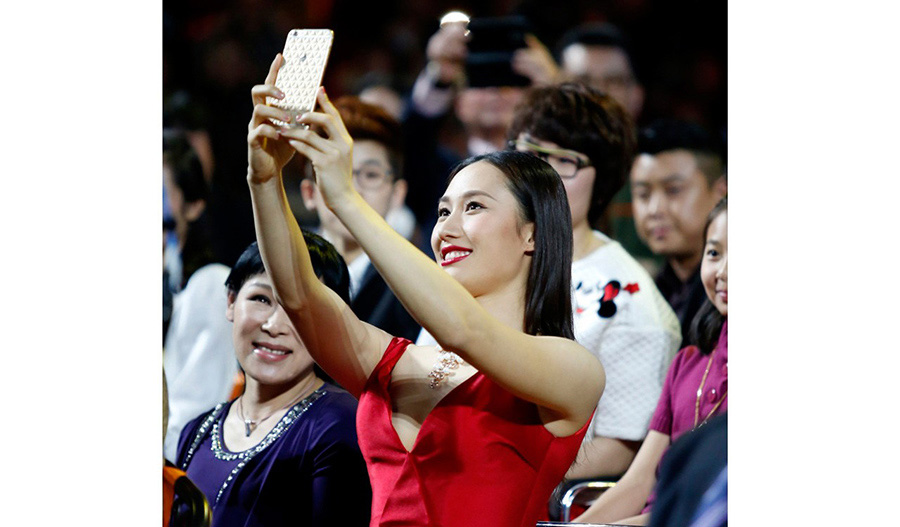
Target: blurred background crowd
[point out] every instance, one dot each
(214, 51)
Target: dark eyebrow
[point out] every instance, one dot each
(469, 194)
(472, 193)
(673, 178)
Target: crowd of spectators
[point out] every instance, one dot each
(213, 52)
(625, 102)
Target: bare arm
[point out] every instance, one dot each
(345, 347)
(603, 457)
(557, 374)
(639, 519)
(630, 494)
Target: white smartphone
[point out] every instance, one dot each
(305, 55)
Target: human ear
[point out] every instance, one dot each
(229, 311)
(194, 209)
(398, 194)
(528, 235)
(637, 99)
(308, 192)
(720, 187)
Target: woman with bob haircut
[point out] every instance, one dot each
(479, 429)
(285, 451)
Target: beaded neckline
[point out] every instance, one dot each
(212, 425)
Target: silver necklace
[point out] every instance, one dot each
(444, 367)
(250, 424)
(212, 421)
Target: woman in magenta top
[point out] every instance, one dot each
(696, 387)
(477, 430)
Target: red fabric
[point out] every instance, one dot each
(482, 456)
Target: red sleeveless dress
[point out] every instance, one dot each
(482, 456)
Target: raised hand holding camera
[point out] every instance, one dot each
(266, 155)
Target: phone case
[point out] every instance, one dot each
(305, 55)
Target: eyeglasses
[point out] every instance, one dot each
(371, 177)
(567, 163)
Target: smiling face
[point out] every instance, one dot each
(480, 237)
(714, 266)
(671, 199)
(267, 346)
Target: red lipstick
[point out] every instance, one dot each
(449, 249)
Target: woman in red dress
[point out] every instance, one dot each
(475, 431)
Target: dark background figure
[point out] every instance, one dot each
(198, 353)
(676, 180)
(602, 56)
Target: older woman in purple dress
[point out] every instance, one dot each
(285, 452)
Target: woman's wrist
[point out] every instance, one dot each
(345, 201)
(258, 177)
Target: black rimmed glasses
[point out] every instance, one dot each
(567, 163)
(371, 177)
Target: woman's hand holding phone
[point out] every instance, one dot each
(331, 155)
(266, 152)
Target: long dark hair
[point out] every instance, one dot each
(542, 201)
(707, 323)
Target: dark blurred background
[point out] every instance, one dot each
(214, 51)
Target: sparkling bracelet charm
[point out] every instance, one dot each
(443, 368)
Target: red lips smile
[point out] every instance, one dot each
(451, 254)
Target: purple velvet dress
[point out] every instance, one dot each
(307, 471)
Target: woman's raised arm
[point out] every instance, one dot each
(347, 348)
(557, 374)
